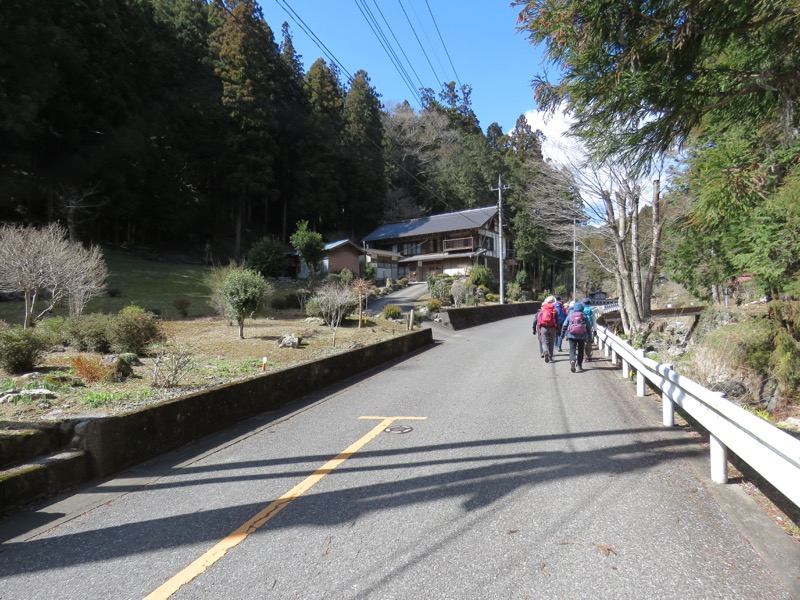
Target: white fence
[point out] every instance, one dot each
(773, 453)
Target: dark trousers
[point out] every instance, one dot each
(576, 347)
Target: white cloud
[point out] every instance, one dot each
(557, 146)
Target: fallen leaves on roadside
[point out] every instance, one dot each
(606, 550)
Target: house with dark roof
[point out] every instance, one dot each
(449, 243)
(342, 254)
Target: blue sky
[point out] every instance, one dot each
(479, 35)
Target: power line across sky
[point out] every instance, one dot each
(407, 44)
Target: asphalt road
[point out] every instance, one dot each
(513, 479)
(406, 298)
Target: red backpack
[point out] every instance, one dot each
(547, 316)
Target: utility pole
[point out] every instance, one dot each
(574, 259)
(502, 248)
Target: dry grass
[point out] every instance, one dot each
(218, 356)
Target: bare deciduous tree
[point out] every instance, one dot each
(334, 301)
(77, 205)
(613, 195)
(44, 265)
(610, 199)
(87, 279)
(361, 287)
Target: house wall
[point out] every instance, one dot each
(385, 268)
(345, 257)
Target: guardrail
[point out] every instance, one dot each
(773, 453)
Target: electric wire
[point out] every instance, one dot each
(436, 77)
(301, 23)
(428, 39)
(399, 45)
(387, 47)
(441, 39)
(323, 48)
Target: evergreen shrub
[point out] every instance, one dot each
(267, 257)
(133, 330)
(480, 275)
(20, 349)
(392, 311)
(89, 333)
(54, 331)
(346, 276)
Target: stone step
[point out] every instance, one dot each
(42, 477)
(25, 444)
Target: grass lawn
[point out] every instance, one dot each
(217, 354)
(152, 285)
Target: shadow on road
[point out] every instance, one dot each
(478, 480)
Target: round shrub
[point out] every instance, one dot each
(513, 292)
(392, 311)
(346, 276)
(133, 329)
(370, 272)
(53, 331)
(267, 257)
(434, 306)
(89, 333)
(20, 349)
(480, 275)
(523, 279)
(312, 308)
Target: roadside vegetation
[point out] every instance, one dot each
(133, 346)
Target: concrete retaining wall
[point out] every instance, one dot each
(113, 443)
(462, 318)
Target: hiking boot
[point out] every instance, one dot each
(547, 358)
(580, 368)
(572, 366)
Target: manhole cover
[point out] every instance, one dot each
(398, 429)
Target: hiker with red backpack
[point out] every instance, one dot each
(576, 330)
(547, 326)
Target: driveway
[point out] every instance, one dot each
(406, 298)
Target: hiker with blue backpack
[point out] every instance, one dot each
(562, 315)
(587, 310)
(576, 330)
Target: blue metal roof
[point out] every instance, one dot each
(465, 219)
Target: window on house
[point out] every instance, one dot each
(411, 248)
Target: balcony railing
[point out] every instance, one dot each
(457, 244)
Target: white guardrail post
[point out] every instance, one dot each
(667, 405)
(641, 380)
(773, 453)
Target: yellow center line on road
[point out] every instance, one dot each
(204, 562)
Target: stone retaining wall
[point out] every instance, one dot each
(113, 443)
(462, 318)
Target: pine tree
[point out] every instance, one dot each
(247, 61)
(363, 140)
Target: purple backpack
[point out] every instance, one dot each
(577, 323)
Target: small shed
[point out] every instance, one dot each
(339, 255)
